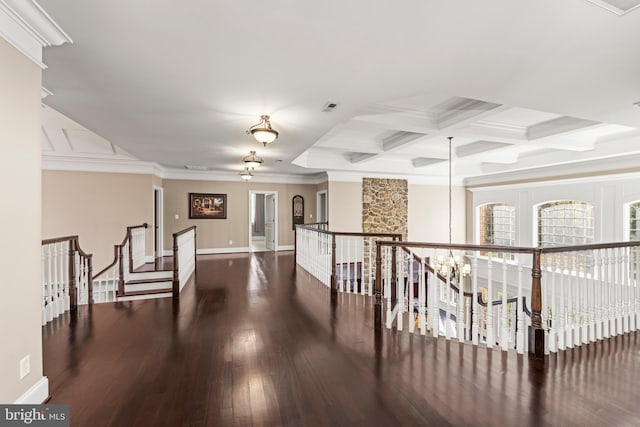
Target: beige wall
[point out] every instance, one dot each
(20, 314)
(216, 233)
(345, 206)
(97, 207)
(429, 214)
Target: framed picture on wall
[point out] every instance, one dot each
(207, 206)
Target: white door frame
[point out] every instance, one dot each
(326, 213)
(158, 213)
(275, 224)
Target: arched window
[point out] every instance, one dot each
(634, 221)
(565, 223)
(497, 224)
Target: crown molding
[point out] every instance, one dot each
(110, 165)
(213, 175)
(608, 168)
(342, 176)
(84, 164)
(28, 28)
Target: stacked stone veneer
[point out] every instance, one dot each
(385, 207)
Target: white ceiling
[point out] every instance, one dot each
(518, 84)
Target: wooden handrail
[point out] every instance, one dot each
(181, 232)
(354, 234)
(589, 247)
(127, 236)
(115, 260)
(74, 246)
(458, 246)
(59, 240)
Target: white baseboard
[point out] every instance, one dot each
(149, 258)
(37, 394)
(209, 251)
(167, 253)
(286, 248)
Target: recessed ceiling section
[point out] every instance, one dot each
(479, 147)
(619, 7)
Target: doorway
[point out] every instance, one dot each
(321, 203)
(158, 228)
(263, 221)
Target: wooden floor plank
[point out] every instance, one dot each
(256, 342)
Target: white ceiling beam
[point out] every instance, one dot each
(361, 157)
(467, 111)
(425, 161)
(400, 139)
(561, 125)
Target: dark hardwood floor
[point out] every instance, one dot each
(255, 342)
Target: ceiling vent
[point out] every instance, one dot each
(329, 106)
(619, 7)
(196, 168)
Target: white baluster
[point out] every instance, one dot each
(399, 288)
(504, 339)
(520, 335)
(411, 316)
(475, 326)
(387, 282)
(490, 338)
(43, 284)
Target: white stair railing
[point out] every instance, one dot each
(457, 292)
(590, 293)
(184, 258)
(66, 272)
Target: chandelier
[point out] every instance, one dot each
(263, 132)
(454, 267)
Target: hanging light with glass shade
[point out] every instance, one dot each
(246, 174)
(252, 161)
(263, 132)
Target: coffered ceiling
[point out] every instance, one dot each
(519, 85)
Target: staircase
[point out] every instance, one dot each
(150, 280)
(67, 279)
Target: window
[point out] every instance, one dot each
(565, 223)
(497, 224)
(634, 235)
(634, 221)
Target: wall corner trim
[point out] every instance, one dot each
(37, 393)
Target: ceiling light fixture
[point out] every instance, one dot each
(263, 132)
(252, 161)
(246, 174)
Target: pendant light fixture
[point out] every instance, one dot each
(252, 161)
(246, 175)
(263, 132)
